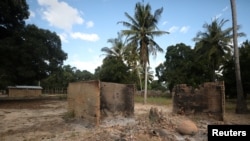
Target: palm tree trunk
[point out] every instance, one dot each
(146, 84)
(241, 106)
(139, 75)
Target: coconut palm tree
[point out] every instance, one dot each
(117, 49)
(213, 44)
(241, 106)
(142, 28)
(150, 74)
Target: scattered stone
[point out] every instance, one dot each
(155, 115)
(160, 132)
(164, 134)
(187, 127)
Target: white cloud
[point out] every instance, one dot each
(173, 29)
(155, 62)
(217, 16)
(225, 9)
(184, 29)
(32, 14)
(60, 14)
(165, 22)
(90, 24)
(84, 36)
(89, 65)
(63, 37)
(90, 50)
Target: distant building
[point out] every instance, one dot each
(24, 91)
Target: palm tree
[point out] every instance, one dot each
(213, 44)
(142, 30)
(241, 102)
(117, 49)
(150, 74)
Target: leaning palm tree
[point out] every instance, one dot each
(142, 30)
(241, 102)
(213, 44)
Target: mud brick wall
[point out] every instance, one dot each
(84, 101)
(207, 98)
(117, 99)
(24, 92)
(94, 100)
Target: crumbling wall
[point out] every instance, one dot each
(93, 101)
(84, 101)
(207, 98)
(117, 99)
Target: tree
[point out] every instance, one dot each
(27, 53)
(213, 44)
(65, 75)
(114, 70)
(244, 52)
(35, 55)
(117, 49)
(179, 67)
(150, 75)
(142, 30)
(12, 16)
(229, 72)
(83, 75)
(114, 67)
(241, 106)
(40, 51)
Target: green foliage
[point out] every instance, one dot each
(114, 70)
(244, 52)
(229, 71)
(12, 16)
(156, 85)
(30, 58)
(212, 46)
(142, 29)
(118, 48)
(116, 64)
(179, 67)
(65, 75)
(28, 54)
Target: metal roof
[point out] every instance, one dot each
(25, 87)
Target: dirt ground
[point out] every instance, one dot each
(48, 120)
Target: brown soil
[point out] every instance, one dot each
(48, 120)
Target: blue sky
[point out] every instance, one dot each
(84, 26)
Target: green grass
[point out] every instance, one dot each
(154, 100)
